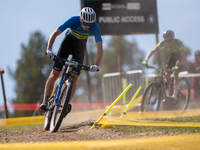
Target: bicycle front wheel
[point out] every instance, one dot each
(48, 114)
(47, 121)
(151, 98)
(60, 110)
(183, 95)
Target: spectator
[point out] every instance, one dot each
(195, 68)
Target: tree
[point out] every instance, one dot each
(32, 71)
(131, 56)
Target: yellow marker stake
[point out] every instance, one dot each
(120, 96)
(146, 81)
(94, 125)
(113, 104)
(124, 97)
(135, 95)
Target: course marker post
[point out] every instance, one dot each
(124, 97)
(146, 81)
(110, 107)
(135, 95)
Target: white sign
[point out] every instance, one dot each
(128, 6)
(121, 19)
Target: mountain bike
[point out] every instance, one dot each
(160, 90)
(58, 103)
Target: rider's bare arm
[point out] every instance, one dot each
(99, 53)
(53, 37)
(152, 52)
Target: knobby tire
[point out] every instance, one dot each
(55, 123)
(151, 90)
(187, 95)
(47, 121)
(48, 114)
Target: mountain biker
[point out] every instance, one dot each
(78, 28)
(176, 59)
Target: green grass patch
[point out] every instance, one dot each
(128, 129)
(142, 129)
(179, 119)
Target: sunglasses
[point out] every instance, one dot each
(168, 41)
(86, 24)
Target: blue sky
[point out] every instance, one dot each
(20, 18)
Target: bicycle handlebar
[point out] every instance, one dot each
(73, 63)
(152, 67)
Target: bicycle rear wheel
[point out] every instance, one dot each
(60, 109)
(151, 98)
(183, 95)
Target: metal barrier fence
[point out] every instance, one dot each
(111, 85)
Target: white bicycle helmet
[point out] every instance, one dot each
(168, 35)
(88, 15)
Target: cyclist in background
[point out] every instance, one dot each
(176, 59)
(78, 28)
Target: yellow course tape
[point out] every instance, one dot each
(21, 121)
(108, 120)
(138, 119)
(183, 142)
(80, 116)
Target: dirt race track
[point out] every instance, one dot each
(75, 127)
(80, 137)
(77, 132)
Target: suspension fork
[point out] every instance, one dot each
(59, 91)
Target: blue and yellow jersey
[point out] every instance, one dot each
(74, 29)
(176, 48)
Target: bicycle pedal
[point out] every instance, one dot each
(50, 108)
(174, 101)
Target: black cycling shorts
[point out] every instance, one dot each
(173, 60)
(73, 47)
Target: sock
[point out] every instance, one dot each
(45, 100)
(175, 90)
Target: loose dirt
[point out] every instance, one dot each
(77, 132)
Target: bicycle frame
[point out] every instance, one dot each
(65, 76)
(59, 101)
(161, 82)
(59, 91)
